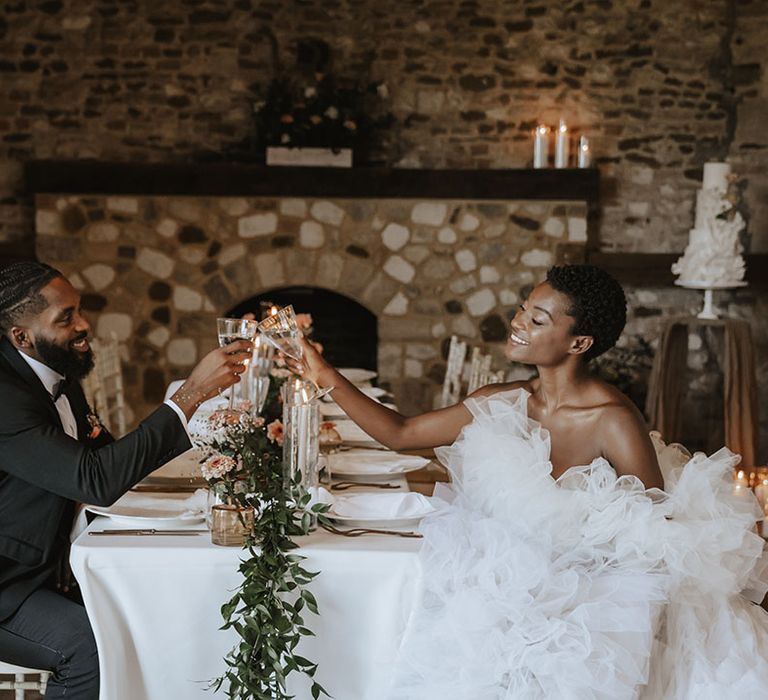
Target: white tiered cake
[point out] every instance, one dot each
(713, 258)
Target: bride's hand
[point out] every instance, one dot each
(313, 366)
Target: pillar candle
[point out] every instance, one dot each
(585, 154)
(561, 146)
(541, 147)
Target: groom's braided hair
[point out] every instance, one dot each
(598, 304)
(20, 285)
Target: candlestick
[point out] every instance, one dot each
(585, 154)
(561, 146)
(541, 146)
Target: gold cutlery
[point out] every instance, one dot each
(358, 531)
(148, 531)
(344, 485)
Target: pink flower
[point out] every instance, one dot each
(224, 417)
(327, 425)
(304, 321)
(276, 432)
(258, 422)
(216, 466)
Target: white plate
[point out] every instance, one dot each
(356, 375)
(145, 510)
(145, 517)
(378, 517)
(342, 469)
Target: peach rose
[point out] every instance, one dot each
(276, 432)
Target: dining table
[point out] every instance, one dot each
(154, 604)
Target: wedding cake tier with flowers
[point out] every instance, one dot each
(713, 258)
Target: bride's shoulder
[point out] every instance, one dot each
(491, 389)
(623, 436)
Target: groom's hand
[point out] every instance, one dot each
(218, 370)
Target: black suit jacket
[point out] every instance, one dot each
(43, 472)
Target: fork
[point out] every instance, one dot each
(358, 531)
(344, 485)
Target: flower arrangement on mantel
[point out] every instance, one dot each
(322, 113)
(243, 461)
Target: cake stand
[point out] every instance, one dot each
(708, 312)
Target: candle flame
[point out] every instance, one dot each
(541, 129)
(562, 128)
(273, 311)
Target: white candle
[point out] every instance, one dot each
(561, 146)
(741, 482)
(541, 146)
(585, 155)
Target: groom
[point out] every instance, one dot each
(53, 453)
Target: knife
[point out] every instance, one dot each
(140, 533)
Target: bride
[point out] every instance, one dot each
(561, 568)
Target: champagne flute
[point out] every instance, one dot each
(282, 331)
(230, 330)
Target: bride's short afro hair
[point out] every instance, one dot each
(598, 304)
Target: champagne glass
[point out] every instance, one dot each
(258, 373)
(282, 331)
(230, 330)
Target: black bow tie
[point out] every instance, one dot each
(61, 389)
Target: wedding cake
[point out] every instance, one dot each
(713, 258)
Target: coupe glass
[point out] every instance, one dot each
(282, 331)
(230, 330)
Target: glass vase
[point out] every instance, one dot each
(230, 524)
(301, 425)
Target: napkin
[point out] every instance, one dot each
(387, 506)
(374, 462)
(352, 432)
(191, 506)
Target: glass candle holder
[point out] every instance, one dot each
(301, 425)
(230, 524)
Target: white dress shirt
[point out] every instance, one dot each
(51, 378)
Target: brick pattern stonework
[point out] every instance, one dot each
(157, 271)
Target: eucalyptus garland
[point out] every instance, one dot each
(267, 609)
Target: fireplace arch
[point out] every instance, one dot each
(347, 330)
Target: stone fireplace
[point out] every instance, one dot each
(157, 268)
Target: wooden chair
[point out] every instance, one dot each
(457, 351)
(17, 683)
(103, 387)
(479, 367)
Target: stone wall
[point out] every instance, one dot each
(660, 87)
(157, 271)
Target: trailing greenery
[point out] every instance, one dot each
(267, 609)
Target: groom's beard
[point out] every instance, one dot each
(64, 359)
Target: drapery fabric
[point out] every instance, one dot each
(670, 379)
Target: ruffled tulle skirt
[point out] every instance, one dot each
(584, 587)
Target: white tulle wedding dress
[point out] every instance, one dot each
(587, 586)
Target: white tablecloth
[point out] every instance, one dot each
(154, 604)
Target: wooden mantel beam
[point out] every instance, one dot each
(246, 180)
